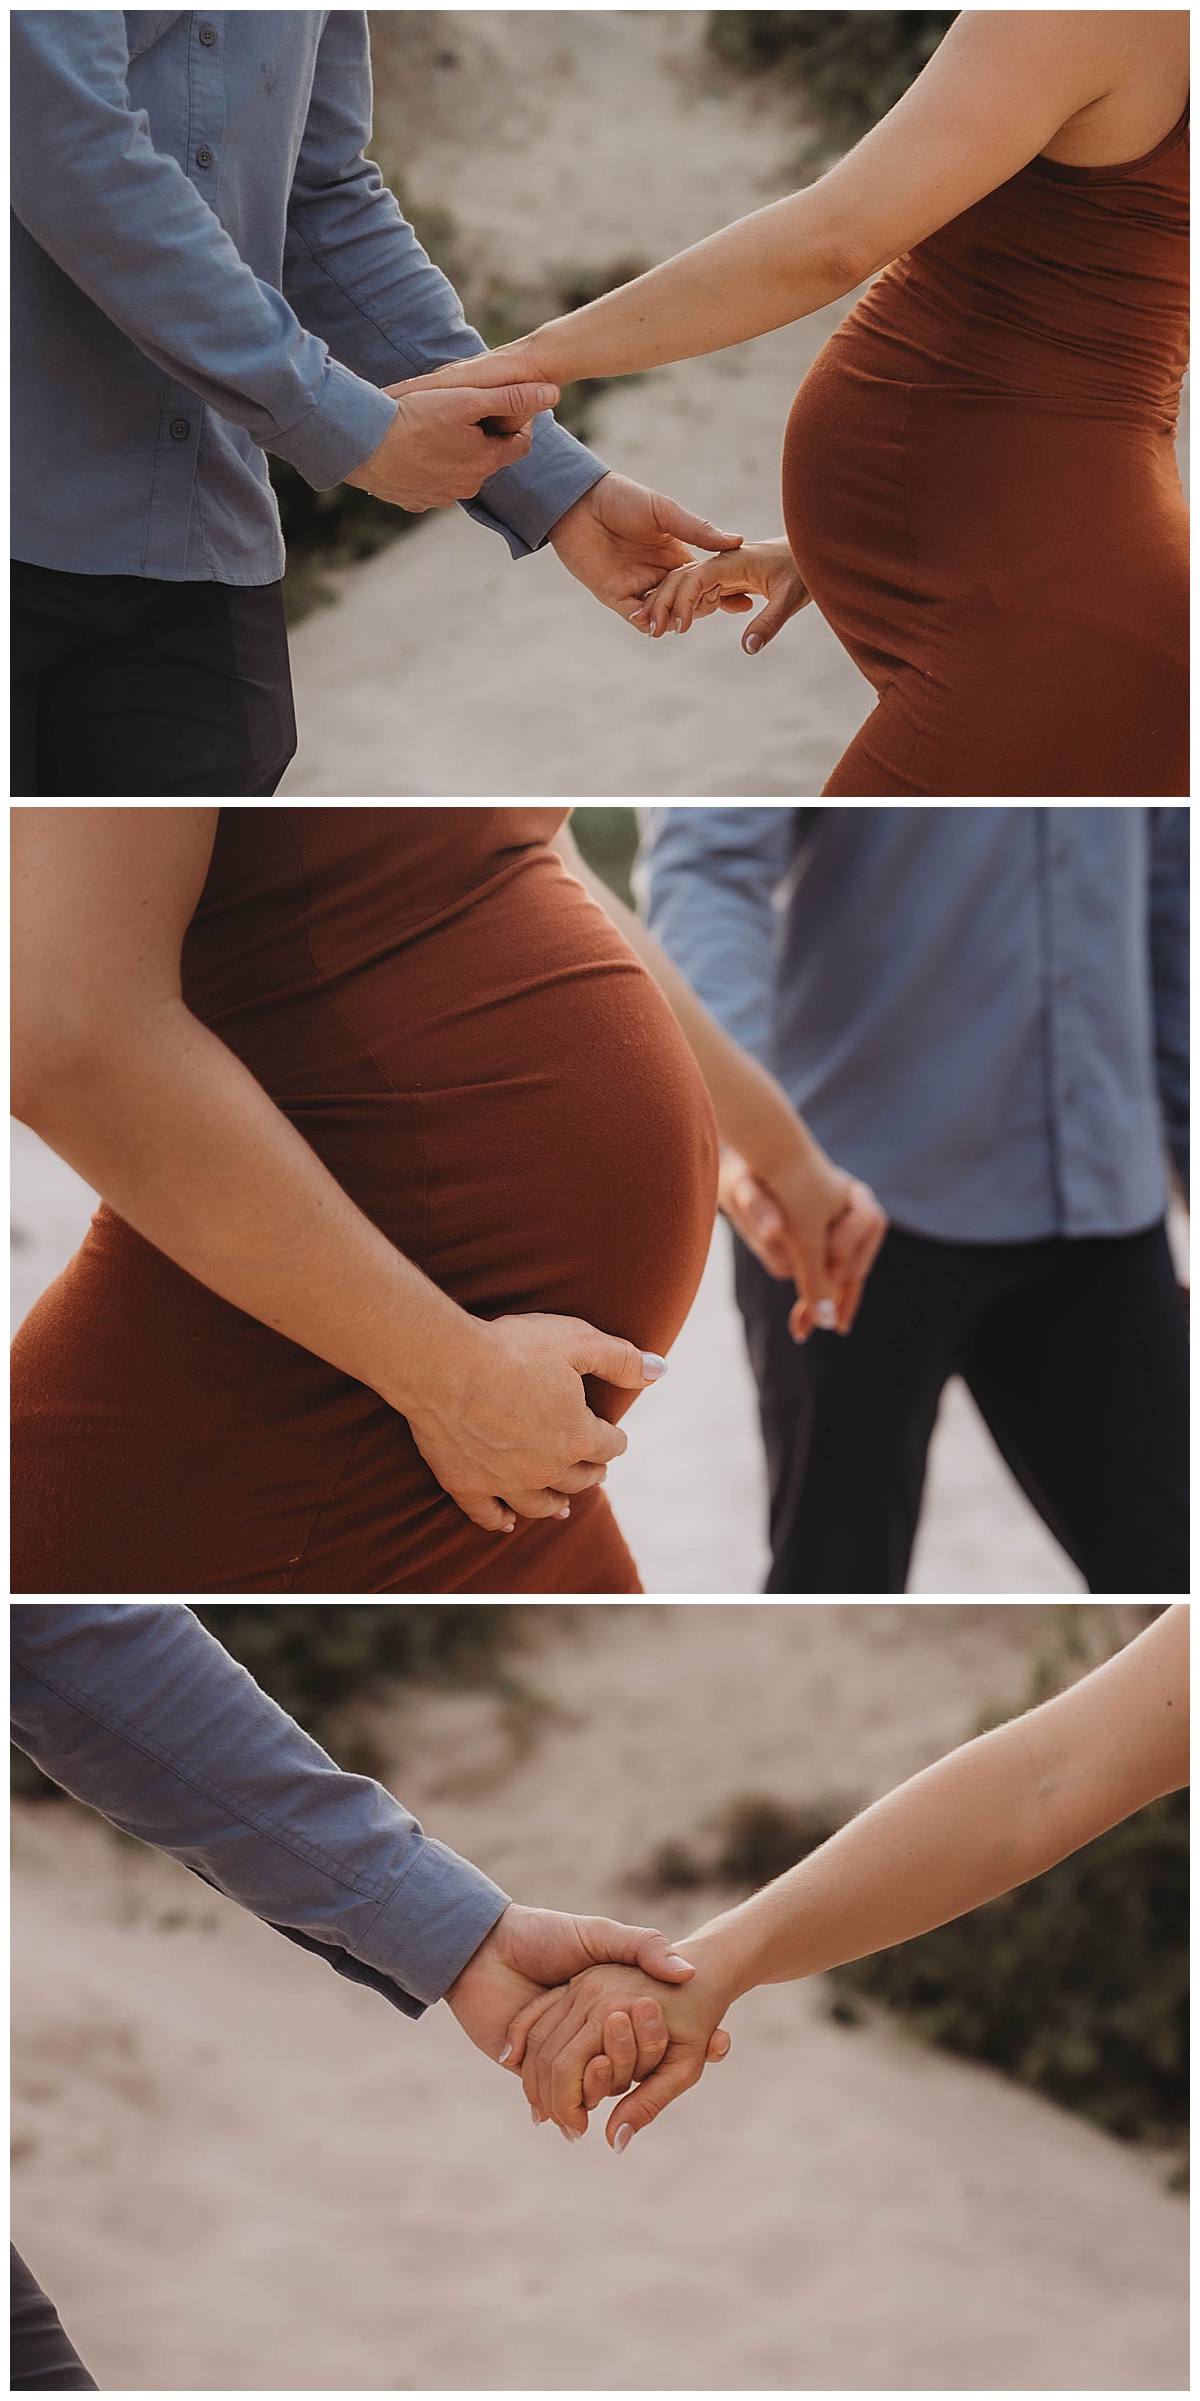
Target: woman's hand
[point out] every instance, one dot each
(727, 582)
(810, 1222)
(511, 364)
(575, 2047)
(507, 1429)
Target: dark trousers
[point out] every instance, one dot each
(43, 2361)
(126, 687)
(1076, 1355)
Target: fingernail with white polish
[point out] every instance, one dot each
(565, 1511)
(623, 2135)
(506, 2054)
(753, 642)
(652, 1366)
(825, 1313)
(535, 2114)
(679, 625)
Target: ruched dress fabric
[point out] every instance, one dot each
(474, 1051)
(981, 492)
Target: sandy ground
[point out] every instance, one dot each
(690, 1491)
(236, 2172)
(576, 139)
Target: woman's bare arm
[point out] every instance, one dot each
(977, 1823)
(999, 88)
(117, 1075)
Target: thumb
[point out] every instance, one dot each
(521, 400)
(679, 2071)
(615, 1360)
(814, 1284)
(770, 620)
(634, 1946)
(672, 519)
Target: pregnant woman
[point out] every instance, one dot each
(979, 478)
(398, 1141)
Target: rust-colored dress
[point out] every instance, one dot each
(480, 1060)
(981, 492)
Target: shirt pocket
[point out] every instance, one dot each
(145, 26)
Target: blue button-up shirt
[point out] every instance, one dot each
(982, 1012)
(134, 1708)
(205, 268)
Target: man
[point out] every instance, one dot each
(206, 268)
(982, 1013)
(138, 1711)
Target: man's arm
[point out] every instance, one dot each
(138, 1711)
(130, 229)
(1169, 933)
(355, 273)
(707, 878)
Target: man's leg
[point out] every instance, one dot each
(150, 689)
(1082, 1378)
(43, 2360)
(846, 1419)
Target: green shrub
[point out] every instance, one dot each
(1076, 1984)
(608, 840)
(852, 63)
(315, 1658)
(318, 1659)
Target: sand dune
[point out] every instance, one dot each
(237, 2173)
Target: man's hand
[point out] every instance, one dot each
(607, 2029)
(621, 540)
(435, 450)
(531, 1949)
(819, 1227)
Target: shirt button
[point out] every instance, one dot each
(208, 35)
(204, 156)
(180, 429)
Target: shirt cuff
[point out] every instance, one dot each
(524, 503)
(436, 1918)
(342, 429)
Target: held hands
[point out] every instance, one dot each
(529, 1950)
(437, 449)
(812, 1224)
(508, 1431)
(620, 539)
(609, 2026)
(706, 585)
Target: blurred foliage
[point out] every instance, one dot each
(852, 64)
(608, 840)
(324, 530)
(319, 1659)
(753, 1840)
(1076, 1984)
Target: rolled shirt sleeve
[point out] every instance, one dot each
(137, 1710)
(1170, 920)
(127, 225)
(355, 272)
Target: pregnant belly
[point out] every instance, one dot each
(510, 1100)
(539, 1136)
